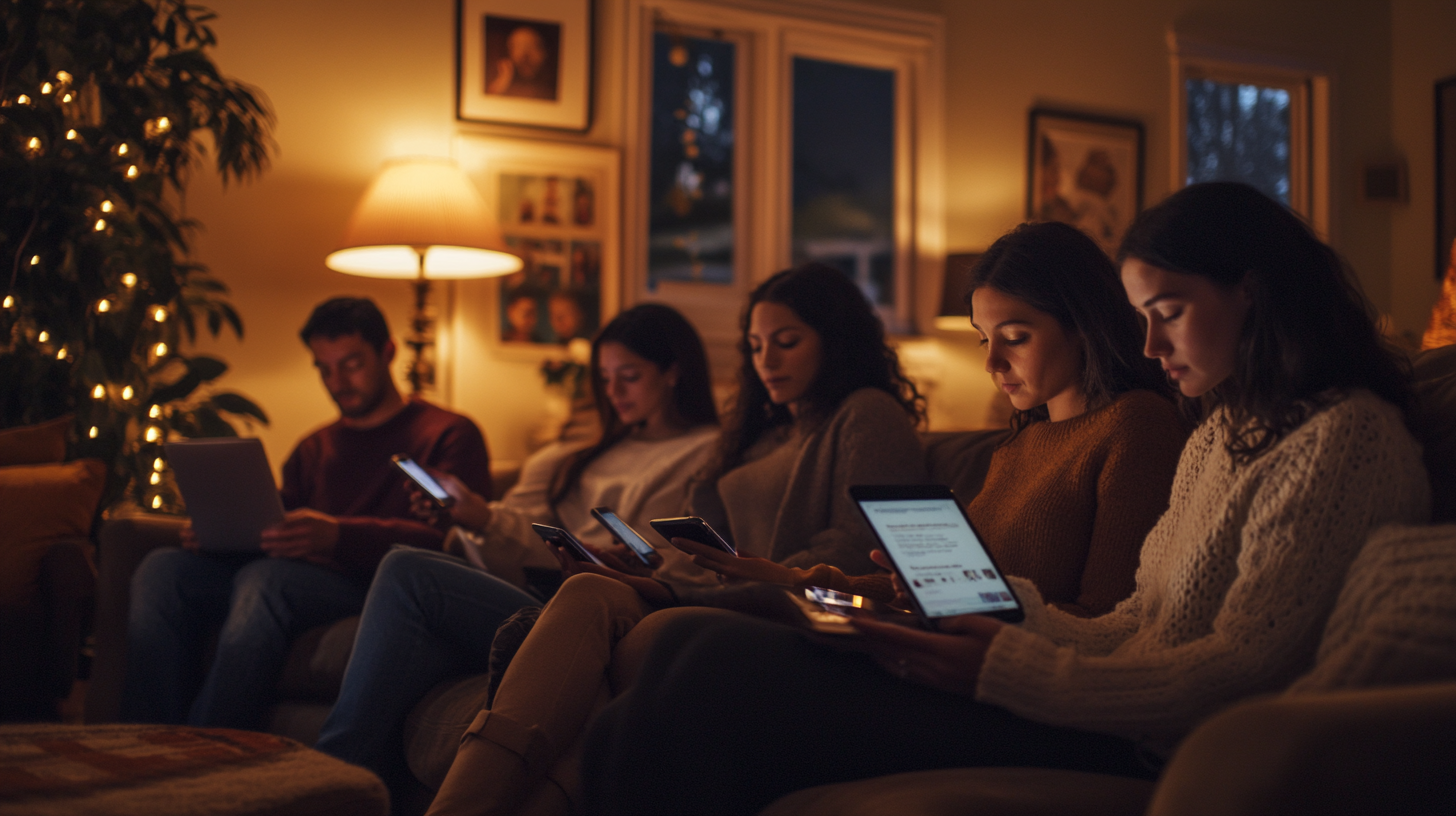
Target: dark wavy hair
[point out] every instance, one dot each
(855, 356)
(661, 335)
(1056, 269)
(1310, 334)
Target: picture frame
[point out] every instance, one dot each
(527, 64)
(1445, 176)
(557, 205)
(1086, 171)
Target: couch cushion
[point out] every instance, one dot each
(41, 444)
(316, 662)
(960, 459)
(1395, 620)
(42, 504)
(973, 792)
(1435, 386)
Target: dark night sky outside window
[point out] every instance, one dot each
(690, 229)
(844, 172)
(1239, 133)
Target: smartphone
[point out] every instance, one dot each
(557, 537)
(624, 533)
(693, 529)
(419, 476)
(937, 553)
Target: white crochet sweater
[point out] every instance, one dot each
(1235, 583)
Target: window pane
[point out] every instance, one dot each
(844, 171)
(690, 231)
(1239, 133)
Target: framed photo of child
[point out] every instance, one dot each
(524, 63)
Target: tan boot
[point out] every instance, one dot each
(499, 761)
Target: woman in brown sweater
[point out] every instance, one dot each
(1095, 437)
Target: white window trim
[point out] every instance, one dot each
(1309, 99)
(909, 42)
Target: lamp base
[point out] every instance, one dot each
(421, 340)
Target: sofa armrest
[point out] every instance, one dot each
(1370, 751)
(124, 542)
(67, 587)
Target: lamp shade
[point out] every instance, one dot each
(422, 208)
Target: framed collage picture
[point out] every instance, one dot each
(556, 205)
(524, 63)
(1086, 171)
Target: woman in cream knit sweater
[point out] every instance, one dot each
(1302, 453)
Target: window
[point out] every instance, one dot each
(1259, 120)
(767, 134)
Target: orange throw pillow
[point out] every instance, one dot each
(41, 504)
(40, 444)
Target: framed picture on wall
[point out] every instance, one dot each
(1445, 175)
(556, 205)
(1086, 171)
(524, 63)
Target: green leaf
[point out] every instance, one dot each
(206, 369)
(238, 404)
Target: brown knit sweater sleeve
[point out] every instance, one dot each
(1132, 493)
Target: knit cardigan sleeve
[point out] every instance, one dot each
(1240, 614)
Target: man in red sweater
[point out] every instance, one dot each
(347, 505)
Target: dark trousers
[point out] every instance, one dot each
(730, 714)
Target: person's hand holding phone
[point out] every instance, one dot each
(470, 509)
(949, 660)
(616, 568)
(624, 558)
(735, 567)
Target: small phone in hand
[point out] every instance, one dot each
(693, 529)
(624, 533)
(423, 479)
(557, 537)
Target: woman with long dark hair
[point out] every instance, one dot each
(822, 405)
(1302, 451)
(430, 616)
(1069, 497)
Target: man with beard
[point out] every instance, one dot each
(346, 505)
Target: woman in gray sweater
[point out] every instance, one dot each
(1302, 452)
(822, 405)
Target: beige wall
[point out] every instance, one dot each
(357, 81)
(1424, 37)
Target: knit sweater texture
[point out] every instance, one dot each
(1235, 585)
(804, 490)
(1066, 505)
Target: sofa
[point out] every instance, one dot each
(1382, 746)
(46, 578)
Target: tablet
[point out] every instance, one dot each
(229, 491)
(940, 559)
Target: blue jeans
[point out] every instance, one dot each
(428, 617)
(178, 598)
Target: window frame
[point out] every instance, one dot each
(1309, 116)
(770, 35)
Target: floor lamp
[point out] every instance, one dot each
(422, 220)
